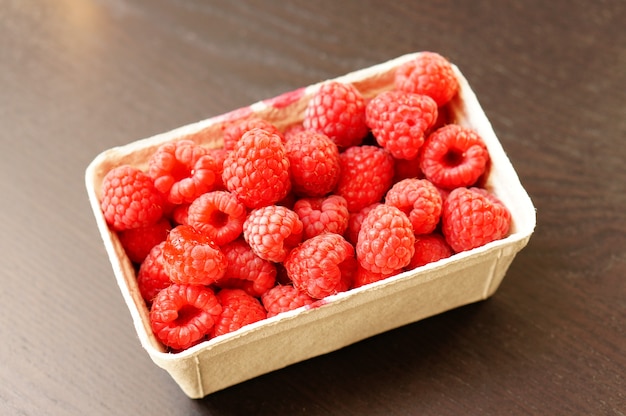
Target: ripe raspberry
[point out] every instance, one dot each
(283, 298)
(364, 277)
(420, 200)
(183, 170)
(234, 132)
(473, 217)
(407, 168)
(238, 310)
(338, 111)
(218, 214)
(257, 170)
(429, 74)
(454, 156)
(151, 277)
(366, 175)
(325, 214)
(355, 221)
(316, 266)
(219, 155)
(138, 242)
(180, 214)
(399, 119)
(292, 130)
(314, 163)
(129, 199)
(272, 232)
(386, 240)
(246, 270)
(429, 248)
(190, 257)
(183, 315)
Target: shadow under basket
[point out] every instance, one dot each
(341, 319)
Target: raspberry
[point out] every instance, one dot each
(246, 270)
(429, 248)
(190, 257)
(355, 221)
(364, 277)
(218, 214)
(219, 155)
(399, 119)
(234, 132)
(257, 170)
(138, 242)
(314, 163)
(454, 156)
(272, 232)
(429, 74)
(183, 315)
(366, 175)
(283, 298)
(420, 200)
(180, 214)
(319, 215)
(183, 170)
(129, 199)
(338, 111)
(407, 168)
(319, 265)
(151, 277)
(473, 217)
(386, 240)
(238, 310)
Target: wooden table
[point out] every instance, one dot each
(78, 77)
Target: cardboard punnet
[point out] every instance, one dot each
(341, 319)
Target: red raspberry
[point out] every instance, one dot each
(218, 214)
(190, 257)
(272, 232)
(454, 156)
(219, 155)
(314, 163)
(183, 315)
(138, 242)
(319, 215)
(246, 270)
(129, 199)
(151, 277)
(366, 175)
(257, 170)
(180, 214)
(364, 277)
(292, 130)
(283, 298)
(420, 200)
(183, 170)
(429, 248)
(238, 310)
(319, 265)
(386, 241)
(405, 169)
(399, 119)
(473, 217)
(338, 111)
(429, 74)
(355, 221)
(234, 132)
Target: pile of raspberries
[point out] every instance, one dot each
(361, 190)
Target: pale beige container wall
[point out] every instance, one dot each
(344, 318)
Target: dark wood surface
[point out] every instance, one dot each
(78, 77)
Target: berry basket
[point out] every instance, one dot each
(340, 319)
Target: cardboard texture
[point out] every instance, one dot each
(344, 318)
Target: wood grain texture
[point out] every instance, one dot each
(78, 77)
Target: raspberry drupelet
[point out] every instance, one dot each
(130, 199)
(238, 310)
(338, 111)
(272, 232)
(386, 242)
(190, 257)
(183, 315)
(420, 200)
(257, 169)
(183, 170)
(473, 217)
(218, 214)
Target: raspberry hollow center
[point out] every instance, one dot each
(219, 219)
(186, 314)
(453, 157)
